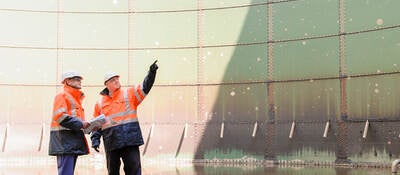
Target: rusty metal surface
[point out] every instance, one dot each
(381, 144)
(237, 141)
(342, 142)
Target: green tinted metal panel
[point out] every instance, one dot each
(306, 59)
(235, 64)
(175, 66)
(307, 152)
(235, 103)
(373, 97)
(307, 100)
(165, 30)
(238, 25)
(212, 108)
(94, 64)
(291, 170)
(370, 14)
(306, 18)
(229, 3)
(95, 5)
(27, 66)
(161, 5)
(373, 52)
(230, 153)
(31, 5)
(42, 29)
(94, 30)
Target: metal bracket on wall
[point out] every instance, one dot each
(326, 129)
(366, 129)
(292, 130)
(41, 137)
(3, 148)
(221, 135)
(152, 130)
(255, 129)
(185, 132)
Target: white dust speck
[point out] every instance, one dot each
(379, 21)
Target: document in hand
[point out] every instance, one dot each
(95, 123)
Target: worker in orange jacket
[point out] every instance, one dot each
(121, 133)
(67, 140)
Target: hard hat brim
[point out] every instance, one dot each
(110, 79)
(71, 78)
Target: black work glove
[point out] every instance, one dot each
(95, 137)
(154, 67)
(96, 147)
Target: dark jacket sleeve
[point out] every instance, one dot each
(95, 138)
(73, 123)
(149, 81)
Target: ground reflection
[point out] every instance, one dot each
(204, 170)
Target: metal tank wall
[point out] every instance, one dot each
(238, 80)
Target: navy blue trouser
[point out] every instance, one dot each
(66, 164)
(130, 155)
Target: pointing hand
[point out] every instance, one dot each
(154, 67)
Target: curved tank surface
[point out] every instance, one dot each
(238, 81)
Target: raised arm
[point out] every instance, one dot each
(150, 77)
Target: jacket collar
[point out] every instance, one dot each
(76, 93)
(106, 92)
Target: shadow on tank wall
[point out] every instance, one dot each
(253, 116)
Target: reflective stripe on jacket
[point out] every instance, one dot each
(66, 136)
(122, 126)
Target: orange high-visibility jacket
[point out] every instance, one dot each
(66, 136)
(122, 126)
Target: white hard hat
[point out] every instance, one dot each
(109, 75)
(70, 74)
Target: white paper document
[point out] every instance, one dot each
(95, 123)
